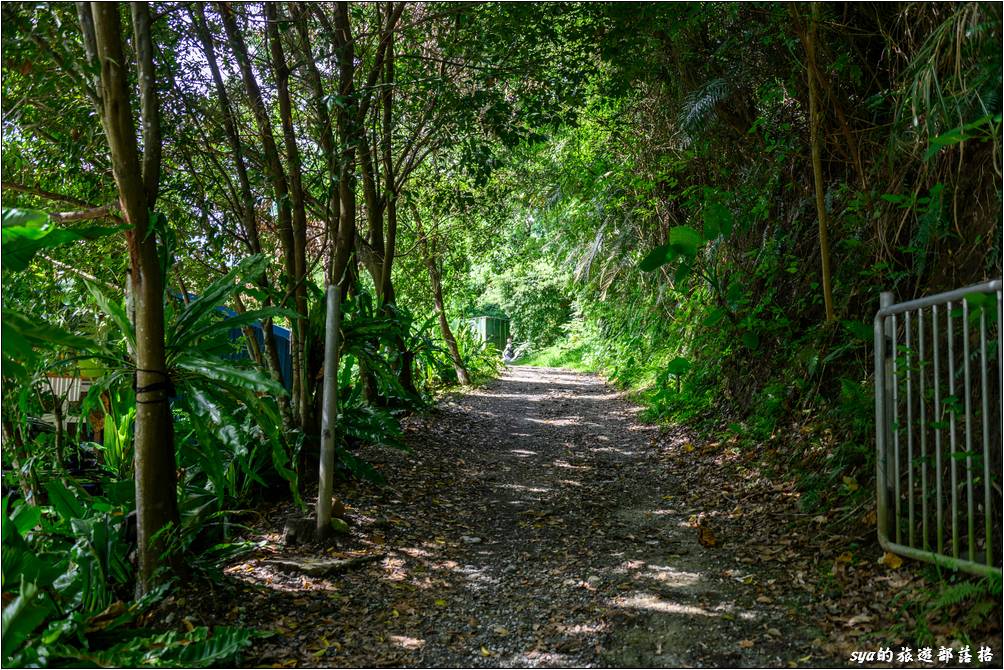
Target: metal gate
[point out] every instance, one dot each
(938, 379)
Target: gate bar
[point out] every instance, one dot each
(888, 328)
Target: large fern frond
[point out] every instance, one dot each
(699, 106)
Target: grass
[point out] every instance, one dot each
(571, 353)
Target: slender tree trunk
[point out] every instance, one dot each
(324, 135)
(390, 178)
(299, 215)
(372, 259)
(254, 351)
(329, 411)
(246, 206)
(390, 194)
(274, 171)
(435, 279)
(817, 163)
(343, 163)
(25, 476)
(137, 182)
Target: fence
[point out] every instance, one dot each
(938, 379)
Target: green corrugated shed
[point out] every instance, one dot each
(492, 329)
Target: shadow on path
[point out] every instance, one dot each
(534, 523)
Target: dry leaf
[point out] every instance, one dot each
(746, 644)
(859, 619)
(706, 537)
(891, 560)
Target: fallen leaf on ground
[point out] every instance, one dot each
(859, 619)
(891, 560)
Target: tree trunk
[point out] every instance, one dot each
(14, 438)
(156, 497)
(341, 162)
(817, 164)
(251, 341)
(329, 412)
(246, 207)
(299, 216)
(435, 278)
(274, 171)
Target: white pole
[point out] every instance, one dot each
(329, 412)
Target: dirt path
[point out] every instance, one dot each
(535, 523)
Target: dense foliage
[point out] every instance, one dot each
(679, 208)
(643, 189)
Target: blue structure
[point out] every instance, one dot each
(282, 343)
(282, 338)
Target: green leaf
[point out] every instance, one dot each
(895, 199)
(14, 217)
(226, 372)
(360, 468)
(684, 242)
(960, 134)
(115, 311)
(224, 643)
(215, 294)
(682, 273)
(20, 335)
(860, 331)
(26, 232)
(63, 501)
(41, 333)
(19, 561)
(980, 300)
(221, 326)
(22, 616)
(718, 220)
(26, 517)
(656, 258)
(750, 340)
(714, 317)
(678, 366)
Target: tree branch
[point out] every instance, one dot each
(42, 193)
(85, 214)
(149, 109)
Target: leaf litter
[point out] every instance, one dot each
(538, 522)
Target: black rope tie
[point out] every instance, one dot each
(166, 385)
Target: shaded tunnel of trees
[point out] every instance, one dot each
(700, 201)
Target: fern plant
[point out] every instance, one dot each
(699, 107)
